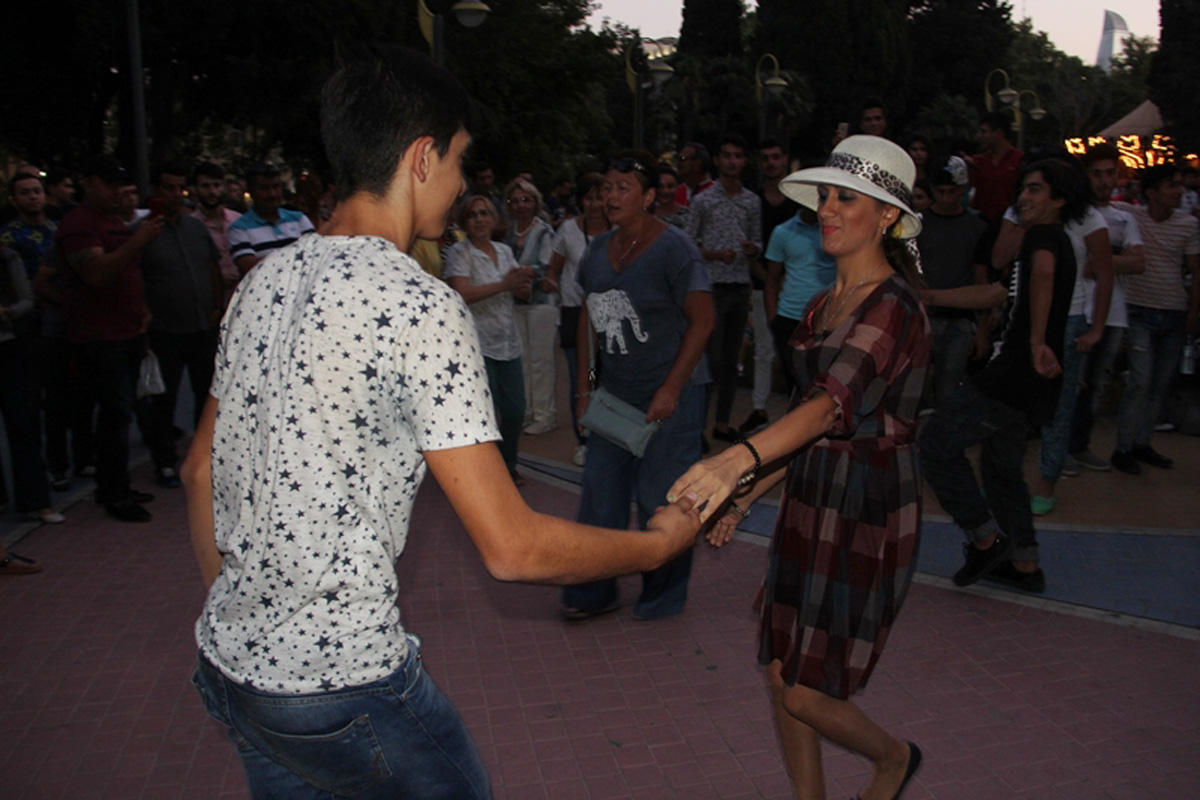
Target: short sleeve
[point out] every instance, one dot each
(886, 339)
(1010, 214)
(239, 242)
(561, 245)
(441, 383)
(686, 270)
(1133, 232)
(1191, 246)
(73, 237)
(458, 263)
(777, 244)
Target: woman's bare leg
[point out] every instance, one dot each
(843, 722)
(801, 744)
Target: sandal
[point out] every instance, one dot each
(16, 564)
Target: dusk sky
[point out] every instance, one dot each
(1073, 25)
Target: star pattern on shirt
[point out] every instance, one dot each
(339, 362)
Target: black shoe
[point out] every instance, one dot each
(167, 478)
(580, 614)
(1123, 461)
(756, 420)
(981, 562)
(1148, 455)
(1009, 575)
(127, 511)
(725, 434)
(914, 764)
(135, 496)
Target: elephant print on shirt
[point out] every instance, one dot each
(608, 312)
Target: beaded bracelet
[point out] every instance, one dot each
(752, 474)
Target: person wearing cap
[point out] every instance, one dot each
(843, 553)
(954, 253)
(1020, 387)
(105, 309)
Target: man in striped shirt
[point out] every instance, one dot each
(1161, 311)
(266, 226)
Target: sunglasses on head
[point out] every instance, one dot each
(628, 164)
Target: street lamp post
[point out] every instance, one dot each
(774, 86)
(469, 13)
(659, 72)
(1010, 99)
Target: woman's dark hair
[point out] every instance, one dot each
(638, 162)
(1067, 182)
(586, 182)
(373, 110)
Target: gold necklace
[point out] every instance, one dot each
(846, 295)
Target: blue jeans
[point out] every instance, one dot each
(1056, 437)
(1155, 341)
(968, 418)
(506, 382)
(612, 477)
(396, 737)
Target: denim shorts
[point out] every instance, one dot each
(395, 737)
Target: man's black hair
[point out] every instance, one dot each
(872, 102)
(260, 169)
(702, 152)
(372, 111)
(167, 168)
(56, 175)
(1153, 177)
(23, 176)
(209, 170)
(1101, 152)
(997, 121)
(735, 139)
(767, 144)
(1067, 182)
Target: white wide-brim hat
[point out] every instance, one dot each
(869, 165)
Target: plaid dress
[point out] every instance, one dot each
(845, 540)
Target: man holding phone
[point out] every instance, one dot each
(183, 294)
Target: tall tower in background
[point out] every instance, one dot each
(1112, 39)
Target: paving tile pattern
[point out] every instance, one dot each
(1007, 701)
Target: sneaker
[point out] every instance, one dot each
(580, 455)
(981, 562)
(1041, 506)
(1164, 427)
(167, 478)
(1123, 461)
(127, 511)
(1009, 575)
(86, 471)
(60, 483)
(536, 428)
(47, 516)
(756, 420)
(1148, 455)
(1092, 461)
(1070, 467)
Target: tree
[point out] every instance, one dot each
(711, 29)
(847, 49)
(1175, 71)
(954, 45)
(1130, 74)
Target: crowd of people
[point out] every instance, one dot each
(995, 294)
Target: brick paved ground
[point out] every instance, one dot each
(1006, 700)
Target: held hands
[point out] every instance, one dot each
(712, 481)
(1045, 363)
(548, 285)
(679, 522)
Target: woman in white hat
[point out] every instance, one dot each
(845, 540)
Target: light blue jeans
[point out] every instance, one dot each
(395, 737)
(1056, 437)
(1155, 342)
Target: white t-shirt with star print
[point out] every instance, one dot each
(340, 362)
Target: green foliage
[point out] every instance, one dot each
(950, 122)
(1175, 71)
(711, 29)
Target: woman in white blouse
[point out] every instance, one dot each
(488, 277)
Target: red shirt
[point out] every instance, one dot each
(684, 193)
(112, 312)
(995, 183)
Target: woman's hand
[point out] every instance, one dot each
(713, 481)
(662, 405)
(548, 285)
(581, 406)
